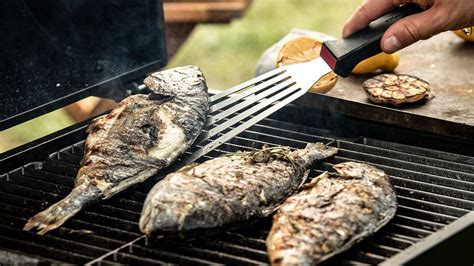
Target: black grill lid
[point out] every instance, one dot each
(57, 52)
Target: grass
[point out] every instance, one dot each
(227, 53)
(34, 129)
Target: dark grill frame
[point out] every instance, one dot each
(435, 188)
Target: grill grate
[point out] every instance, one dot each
(434, 188)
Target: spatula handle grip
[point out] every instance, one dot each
(344, 54)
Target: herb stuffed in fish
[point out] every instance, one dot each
(227, 190)
(331, 214)
(138, 138)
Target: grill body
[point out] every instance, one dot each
(433, 177)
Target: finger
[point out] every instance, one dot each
(367, 12)
(412, 29)
(425, 4)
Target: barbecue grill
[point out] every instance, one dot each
(433, 176)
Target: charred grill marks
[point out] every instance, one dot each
(227, 190)
(332, 213)
(139, 137)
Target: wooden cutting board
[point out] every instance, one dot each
(446, 62)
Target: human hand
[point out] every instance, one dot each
(439, 16)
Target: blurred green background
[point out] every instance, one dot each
(227, 53)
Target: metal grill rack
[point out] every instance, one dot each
(434, 189)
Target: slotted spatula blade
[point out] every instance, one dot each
(240, 107)
(256, 99)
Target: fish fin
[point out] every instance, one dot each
(58, 213)
(272, 209)
(315, 180)
(305, 177)
(312, 153)
(95, 124)
(49, 219)
(178, 82)
(188, 167)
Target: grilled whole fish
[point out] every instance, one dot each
(138, 138)
(227, 190)
(331, 214)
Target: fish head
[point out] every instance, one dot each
(179, 81)
(156, 220)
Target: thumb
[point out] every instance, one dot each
(410, 30)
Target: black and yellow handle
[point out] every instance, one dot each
(344, 54)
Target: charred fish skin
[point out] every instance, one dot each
(227, 190)
(331, 214)
(138, 138)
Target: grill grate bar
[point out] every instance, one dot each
(419, 223)
(466, 196)
(101, 231)
(60, 168)
(414, 192)
(432, 192)
(430, 206)
(411, 166)
(34, 194)
(465, 185)
(102, 257)
(231, 248)
(220, 152)
(49, 177)
(69, 157)
(417, 193)
(458, 211)
(392, 241)
(426, 215)
(169, 250)
(366, 257)
(468, 205)
(429, 153)
(462, 205)
(128, 259)
(50, 240)
(379, 249)
(43, 250)
(409, 157)
(457, 187)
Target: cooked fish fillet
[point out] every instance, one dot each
(331, 214)
(138, 138)
(227, 190)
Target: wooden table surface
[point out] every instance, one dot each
(447, 63)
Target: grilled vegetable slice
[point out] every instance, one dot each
(396, 89)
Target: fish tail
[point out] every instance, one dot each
(58, 213)
(315, 152)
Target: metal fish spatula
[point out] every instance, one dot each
(238, 108)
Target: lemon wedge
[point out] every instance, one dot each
(382, 61)
(468, 38)
(304, 49)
